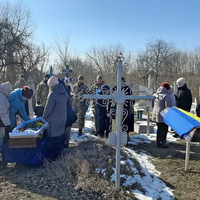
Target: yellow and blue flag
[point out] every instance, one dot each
(181, 121)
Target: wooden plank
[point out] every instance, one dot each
(23, 143)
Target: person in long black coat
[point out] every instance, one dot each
(102, 111)
(183, 95)
(128, 111)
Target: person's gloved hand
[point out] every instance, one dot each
(38, 102)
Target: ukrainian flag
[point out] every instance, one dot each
(181, 121)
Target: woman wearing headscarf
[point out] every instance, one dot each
(163, 100)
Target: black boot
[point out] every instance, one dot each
(164, 146)
(158, 144)
(80, 132)
(101, 134)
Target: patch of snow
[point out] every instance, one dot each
(141, 196)
(122, 162)
(154, 187)
(138, 139)
(100, 171)
(89, 113)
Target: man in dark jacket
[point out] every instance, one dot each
(183, 95)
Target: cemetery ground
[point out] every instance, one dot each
(85, 170)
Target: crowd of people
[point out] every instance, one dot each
(62, 105)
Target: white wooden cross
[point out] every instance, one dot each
(119, 97)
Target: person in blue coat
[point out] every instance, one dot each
(16, 100)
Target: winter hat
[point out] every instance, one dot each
(27, 92)
(46, 76)
(52, 81)
(7, 87)
(166, 85)
(80, 77)
(181, 81)
(123, 79)
(99, 77)
(21, 76)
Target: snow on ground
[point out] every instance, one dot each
(147, 139)
(87, 130)
(154, 187)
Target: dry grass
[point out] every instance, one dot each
(77, 167)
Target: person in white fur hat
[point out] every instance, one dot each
(183, 95)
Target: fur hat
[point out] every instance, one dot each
(166, 85)
(52, 81)
(27, 92)
(80, 77)
(99, 77)
(181, 81)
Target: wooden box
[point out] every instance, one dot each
(22, 143)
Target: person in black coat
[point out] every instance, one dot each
(198, 108)
(183, 95)
(128, 111)
(102, 112)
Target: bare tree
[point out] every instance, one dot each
(17, 52)
(104, 61)
(154, 58)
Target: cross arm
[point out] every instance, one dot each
(136, 97)
(91, 96)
